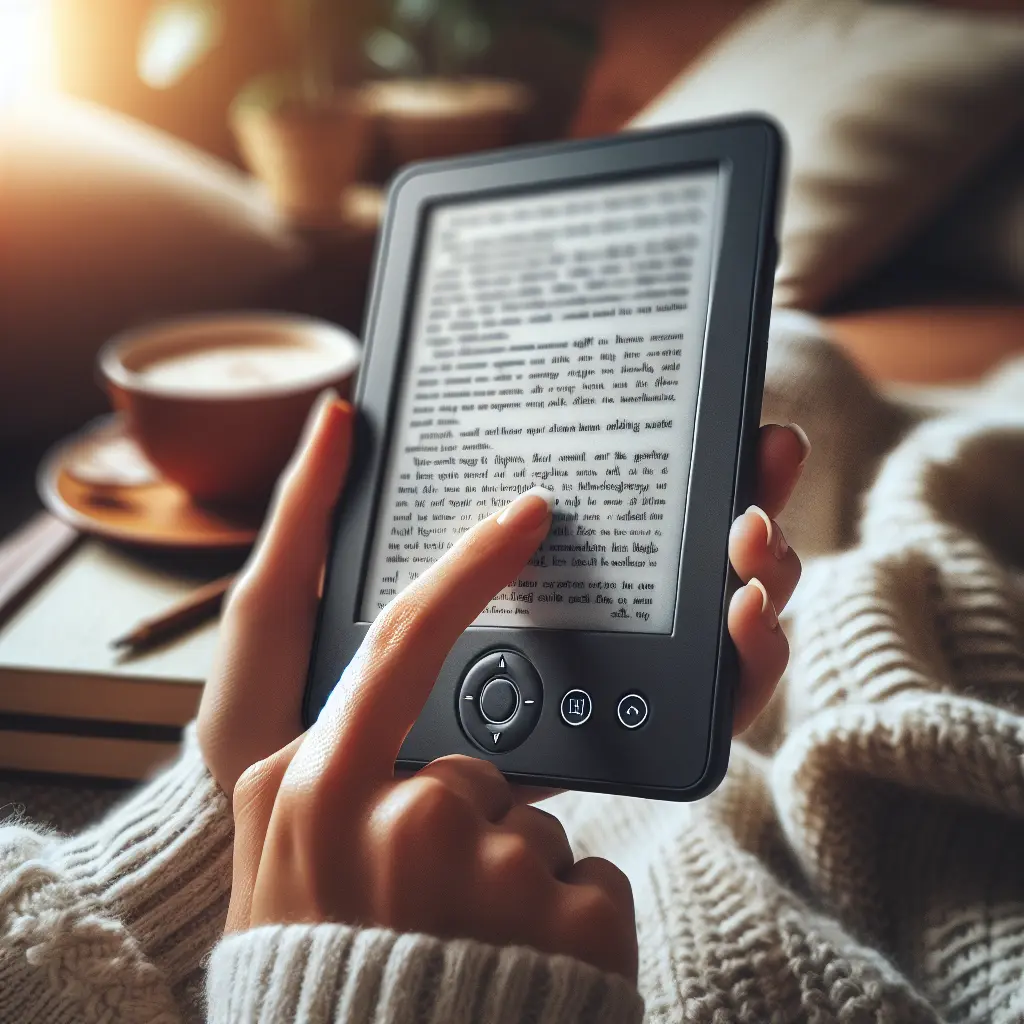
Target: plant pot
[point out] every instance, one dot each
(421, 119)
(307, 154)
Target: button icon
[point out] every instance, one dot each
(632, 711)
(576, 707)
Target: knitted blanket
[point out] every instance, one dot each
(861, 862)
(864, 859)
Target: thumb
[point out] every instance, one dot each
(268, 622)
(290, 554)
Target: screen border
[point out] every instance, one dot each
(685, 747)
(425, 213)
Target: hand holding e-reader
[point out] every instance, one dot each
(326, 831)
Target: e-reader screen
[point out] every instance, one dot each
(556, 338)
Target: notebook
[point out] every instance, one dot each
(69, 702)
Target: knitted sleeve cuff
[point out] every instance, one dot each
(161, 863)
(335, 974)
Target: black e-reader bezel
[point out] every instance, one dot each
(686, 677)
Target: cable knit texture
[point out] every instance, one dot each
(324, 973)
(113, 924)
(860, 863)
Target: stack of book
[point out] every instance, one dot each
(71, 702)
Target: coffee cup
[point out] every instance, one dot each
(217, 403)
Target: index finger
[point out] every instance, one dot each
(383, 690)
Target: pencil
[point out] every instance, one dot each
(198, 606)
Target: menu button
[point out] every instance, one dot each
(576, 707)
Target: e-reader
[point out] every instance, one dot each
(591, 317)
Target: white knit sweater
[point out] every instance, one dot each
(862, 861)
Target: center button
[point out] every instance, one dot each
(499, 701)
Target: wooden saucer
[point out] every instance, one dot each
(99, 481)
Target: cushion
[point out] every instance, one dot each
(106, 223)
(982, 235)
(887, 108)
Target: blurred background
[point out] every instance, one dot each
(160, 157)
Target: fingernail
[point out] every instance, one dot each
(775, 541)
(801, 436)
(326, 398)
(767, 608)
(529, 510)
(767, 524)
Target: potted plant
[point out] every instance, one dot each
(306, 146)
(391, 78)
(303, 132)
(423, 102)
(301, 129)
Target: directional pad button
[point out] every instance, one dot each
(500, 701)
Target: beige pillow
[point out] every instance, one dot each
(982, 236)
(887, 107)
(105, 223)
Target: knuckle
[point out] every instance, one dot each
(244, 600)
(617, 884)
(550, 822)
(606, 891)
(425, 808)
(798, 566)
(473, 767)
(399, 626)
(597, 913)
(246, 787)
(511, 859)
(253, 788)
(783, 656)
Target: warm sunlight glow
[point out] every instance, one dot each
(26, 49)
(177, 36)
